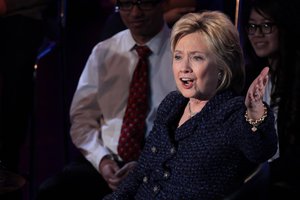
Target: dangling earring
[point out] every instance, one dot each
(220, 76)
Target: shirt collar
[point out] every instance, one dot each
(156, 43)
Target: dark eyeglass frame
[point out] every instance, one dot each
(265, 28)
(142, 5)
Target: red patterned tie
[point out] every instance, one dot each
(133, 128)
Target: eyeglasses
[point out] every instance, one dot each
(143, 5)
(265, 28)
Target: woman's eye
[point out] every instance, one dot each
(177, 57)
(197, 58)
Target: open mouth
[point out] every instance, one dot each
(188, 82)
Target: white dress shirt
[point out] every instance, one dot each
(100, 100)
(267, 99)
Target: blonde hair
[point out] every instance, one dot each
(223, 41)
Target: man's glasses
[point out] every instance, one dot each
(143, 5)
(265, 28)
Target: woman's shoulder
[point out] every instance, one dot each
(228, 98)
(170, 99)
(173, 99)
(226, 103)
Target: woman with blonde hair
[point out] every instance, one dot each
(206, 138)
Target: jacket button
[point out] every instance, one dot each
(172, 150)
(153, 149)
(155, 189)
(145, 179)
(166, 175)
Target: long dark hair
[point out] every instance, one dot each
(285, 75)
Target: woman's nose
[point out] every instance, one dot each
(185, 67)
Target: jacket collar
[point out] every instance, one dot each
(200, 119)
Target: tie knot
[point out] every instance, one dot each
(143, 51)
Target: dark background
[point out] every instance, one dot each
(73, 28)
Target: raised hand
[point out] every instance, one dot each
(254, 97)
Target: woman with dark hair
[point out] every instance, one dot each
(270, 38)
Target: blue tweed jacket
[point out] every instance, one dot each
(206, 158)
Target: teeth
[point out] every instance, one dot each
(186, 79)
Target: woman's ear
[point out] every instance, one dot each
(220, 75)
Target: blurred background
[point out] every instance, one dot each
(72, 29)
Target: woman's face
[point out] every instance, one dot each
(194, 67)
(264, 44)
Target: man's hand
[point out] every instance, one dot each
(121, 174)
(108, 169)
(111, 172)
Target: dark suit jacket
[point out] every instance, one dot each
(206, 158)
